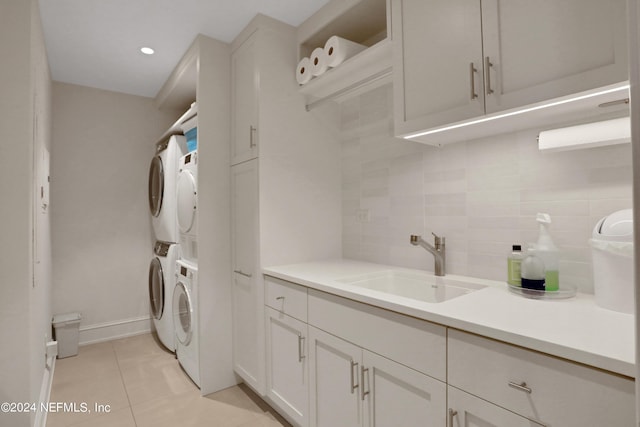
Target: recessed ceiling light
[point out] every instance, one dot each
(147, 50)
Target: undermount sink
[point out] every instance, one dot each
(419, 286)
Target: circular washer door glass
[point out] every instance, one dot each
(182, 313)
(187, 201)
(156, 288)
(156, 185)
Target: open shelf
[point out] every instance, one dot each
(361, 21)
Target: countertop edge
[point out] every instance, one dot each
(589, 358)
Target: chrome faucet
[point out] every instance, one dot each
(437, 250)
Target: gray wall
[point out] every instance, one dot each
(25, 252)
(102, 233)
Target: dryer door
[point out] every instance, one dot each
(156, 288)
(156, 185)
(182, 314)
(187, 201)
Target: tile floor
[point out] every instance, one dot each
(144, 386)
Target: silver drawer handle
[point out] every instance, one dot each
(487, 69)
(522, 387)
(300, 348)
(364, 371)
(354, 385)
(452, 413)
(472, 76)
(252, 130)
(280, 298)
(242, 273)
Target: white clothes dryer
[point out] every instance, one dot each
(187, 203)
(162, 281)
(185, 319)
(162, 187)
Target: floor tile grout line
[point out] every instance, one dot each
(124, 385)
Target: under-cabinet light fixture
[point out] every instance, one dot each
(515, 112)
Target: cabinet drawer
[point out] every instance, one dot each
(286, 297)
(412, 342)
(553, 391)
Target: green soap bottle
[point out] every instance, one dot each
(514, 266)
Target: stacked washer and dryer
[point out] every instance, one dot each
(173, 273)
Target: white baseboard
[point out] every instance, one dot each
(100, 332)
(45, 388)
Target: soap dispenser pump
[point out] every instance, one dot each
(548, 253)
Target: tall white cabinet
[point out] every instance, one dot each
(460, 59)
(285, 203)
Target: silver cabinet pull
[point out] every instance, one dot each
(354, 386)
(452, 413)
(240, 272)
(522, 387)
(364, 370)
(252, 130)
(300, 348)
(472, 76)
(280, 298)
(487, 69)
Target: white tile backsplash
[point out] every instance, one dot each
(481, 195)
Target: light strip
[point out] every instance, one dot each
(515, 113)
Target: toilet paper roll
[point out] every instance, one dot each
(303, 71)
(337, 50)
(318, 61)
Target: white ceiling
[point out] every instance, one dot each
(97, 43)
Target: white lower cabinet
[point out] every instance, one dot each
(551, 391)
(397, 396)
(334, 367)
(287, 366)
(335, 362)
(353, 387)
(469, 411)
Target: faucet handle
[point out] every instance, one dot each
(437, 239)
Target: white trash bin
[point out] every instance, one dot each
(612, 250)
(67, 331)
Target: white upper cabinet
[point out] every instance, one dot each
(434, 77)
(244, 101)
(545, 49)
(456, 60)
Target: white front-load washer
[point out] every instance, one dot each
(162, 281)
(187, 204)
(185, 319)
(163, 173)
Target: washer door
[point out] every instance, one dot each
(187, 201)
(156, 185)
(182, 314)
(156, 288)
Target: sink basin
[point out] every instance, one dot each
(419, 286)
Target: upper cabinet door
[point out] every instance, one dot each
(437, 62)
(244, 99)
(545, 49)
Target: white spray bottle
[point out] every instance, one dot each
(548, 252)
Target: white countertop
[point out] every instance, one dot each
(575, 328)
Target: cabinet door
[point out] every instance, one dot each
(397, 396)
(437, 47)
(334, 369)
(545, 49)
(247, 309)
(469, 411)
(287, 377)
(244, 101)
